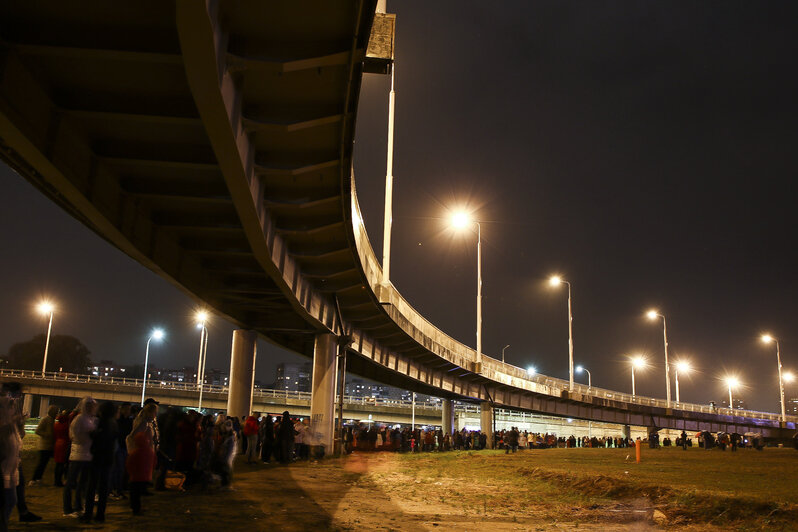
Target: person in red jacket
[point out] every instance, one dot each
(61, 447)
(251, 427)
(141, 454)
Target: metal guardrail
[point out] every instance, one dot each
(56, 376)
(554, 384)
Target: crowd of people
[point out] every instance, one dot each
(107, 452)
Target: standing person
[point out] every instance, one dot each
(683, 437)
(46, 433)
(124, 423)
(251, 434)
(266, 438)
(141, 454)
(10, 445)
(61, 447)
(79, 456)
(103, 451)
(205, 451)
(225, 453)
(285, 438)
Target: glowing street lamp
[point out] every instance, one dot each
(653, 315)
(580, 369)
(202, 317)
(637, 362)
(531, 371)
(45, 308)
(766, 338)
(684, 367)
(157, 334)
(732, 382)
(462, 220)
(556, 281)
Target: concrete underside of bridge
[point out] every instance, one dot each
(212, 142)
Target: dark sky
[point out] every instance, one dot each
(646, 151)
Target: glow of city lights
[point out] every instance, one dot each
(460, 219)
(555, 280)
(652, 314)
(45, 307)
(157, 334)
(767, 338)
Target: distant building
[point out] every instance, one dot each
(791, 406)
(107, 368)
(293, 377)
(739, 404)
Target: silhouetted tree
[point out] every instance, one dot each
(66, 353)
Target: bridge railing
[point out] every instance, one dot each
(263, 393)
(553, 385)
(458, 353)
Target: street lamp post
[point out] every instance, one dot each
(732, 382)
(684, 367)
(47, 308)
(202, 317)
(769, 339)
(503, 349)
(461, 220)
(157, 334)
(554, 281)
(580, 369)
(637, 362)
(652, 315)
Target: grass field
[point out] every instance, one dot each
(553, 489)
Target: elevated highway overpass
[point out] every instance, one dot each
(213, 143)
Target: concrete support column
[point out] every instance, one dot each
(627, 431)
(447, 417)
(486, 421)
(322, 399)
(44, 405)
(27, 404)
(242, 373)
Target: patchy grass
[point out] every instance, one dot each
(746, 488)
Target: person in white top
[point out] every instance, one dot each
(79, 456)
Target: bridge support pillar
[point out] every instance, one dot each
(447, 416)
(486, 421)
(627, 431)
(44, 405)
(242, 373)
(27, 404)
(322, 399)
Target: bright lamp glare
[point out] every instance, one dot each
(767, 338)
(555, 280)
(157, 334)
(45, 307)
(652, 314)
(733, 382)
(683, 366)
(639, 362)
(202, 317)
(789, 377)
(531, 370)
(460, 219)
(579, 369)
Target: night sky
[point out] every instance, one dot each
(645, 151)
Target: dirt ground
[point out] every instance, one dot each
(384, 491)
